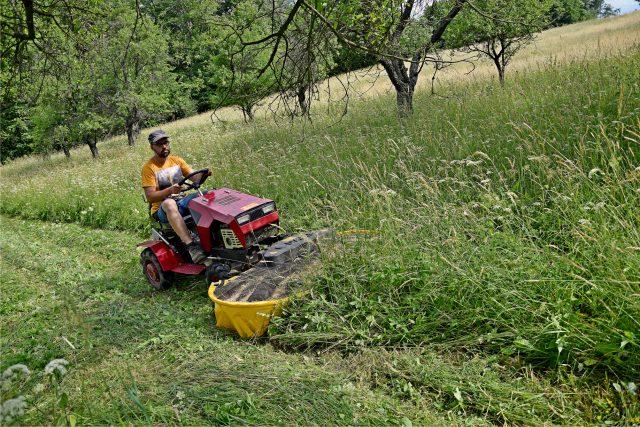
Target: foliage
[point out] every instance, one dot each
(191, 28)
(110, 74)
(239, 72)
(15, 140)
(133, 56)
(563, 12)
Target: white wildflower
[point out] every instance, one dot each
(481, 154)
(583, 221)
(541, 158)
(11, 372)
(382, 192)
(593, 172)
(469, 162)
(58, 365)
(12, 409)
(38, 388)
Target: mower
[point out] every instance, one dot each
(237, 231)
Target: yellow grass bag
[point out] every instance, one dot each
(248, 319)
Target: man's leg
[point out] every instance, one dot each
(170, 208)
(172, 212)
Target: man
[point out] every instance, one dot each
(160, 176)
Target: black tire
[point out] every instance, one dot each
(157, 278)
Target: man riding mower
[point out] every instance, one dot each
(220, 232)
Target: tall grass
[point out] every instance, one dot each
(506, 220)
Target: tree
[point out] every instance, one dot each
(190, 24)
(306, 60)
(131, 62)
(563, 12)
(498, 29)
(236, 71)
(388, 29)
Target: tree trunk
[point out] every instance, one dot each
(303, 102)
(65, 149)
(404, 81)
(93, 146)
(405, 103)
(501, 75)
(132, 126)
(496, 51)
(247, 112)
(500, 67)
(131, 137)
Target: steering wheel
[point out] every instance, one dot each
(195, 185)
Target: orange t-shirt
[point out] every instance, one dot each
(161, 176)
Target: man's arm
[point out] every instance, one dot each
(186, 170)
(154, 195)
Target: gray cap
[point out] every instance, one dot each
(157, 135)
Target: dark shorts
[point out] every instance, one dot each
(182, 207)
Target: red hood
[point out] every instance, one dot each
(224, 204)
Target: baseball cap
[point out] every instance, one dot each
(157, 135)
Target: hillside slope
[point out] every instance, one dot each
(499, 283)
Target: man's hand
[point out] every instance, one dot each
(153, 195)
(175, 189)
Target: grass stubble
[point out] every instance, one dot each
(501, 283)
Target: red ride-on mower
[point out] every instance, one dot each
(236, 230)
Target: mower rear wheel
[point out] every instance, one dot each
(157, 278)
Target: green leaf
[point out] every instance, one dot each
(64, 400)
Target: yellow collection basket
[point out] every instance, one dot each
(248, 319)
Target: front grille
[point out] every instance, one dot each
(230, 239)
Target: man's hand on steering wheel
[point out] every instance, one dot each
(204, 174)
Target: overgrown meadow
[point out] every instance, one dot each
(495, 223)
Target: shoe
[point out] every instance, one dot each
(196, 253)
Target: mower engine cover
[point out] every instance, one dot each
(244, 217)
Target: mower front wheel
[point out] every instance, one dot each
(157, 278)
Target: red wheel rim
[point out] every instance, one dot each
(152, 273)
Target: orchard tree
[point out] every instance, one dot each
(498, 29)
(396, 32)
(307, 60)
(237, 71)
(132, 65)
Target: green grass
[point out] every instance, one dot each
(505, 238)
(138, 356)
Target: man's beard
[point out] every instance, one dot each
(164, 153)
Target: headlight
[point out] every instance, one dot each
(269, 208)
(243, 219)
